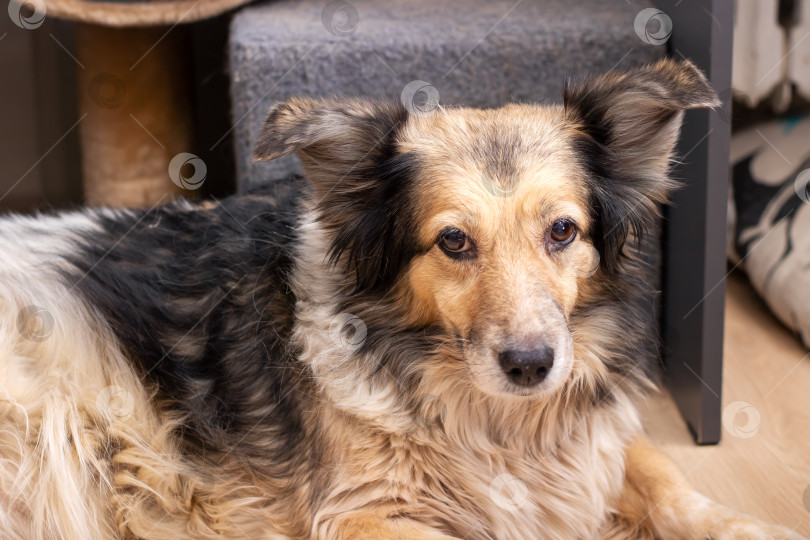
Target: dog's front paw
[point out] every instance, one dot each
(697, 518)
(723, 524)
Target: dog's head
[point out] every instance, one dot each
(490, 224)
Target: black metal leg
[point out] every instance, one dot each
(695, 228)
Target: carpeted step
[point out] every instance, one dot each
(473, 52)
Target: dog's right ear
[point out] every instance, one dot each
(359, 175)
(332, 136)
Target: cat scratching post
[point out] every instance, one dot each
(135, 91)
(138, 115)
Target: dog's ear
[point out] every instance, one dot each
(626, 128)
(334, 136)
(361, 180)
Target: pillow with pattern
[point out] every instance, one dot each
(769, 216)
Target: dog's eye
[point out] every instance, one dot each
(563, 231)
(456, 244)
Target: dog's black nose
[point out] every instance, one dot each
(527, 368)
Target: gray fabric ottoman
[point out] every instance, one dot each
(473, 52)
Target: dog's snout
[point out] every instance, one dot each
(527, 368)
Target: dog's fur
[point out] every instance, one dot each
(305, 362)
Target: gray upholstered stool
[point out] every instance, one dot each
(473, 52)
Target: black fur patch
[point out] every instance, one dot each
(364, 196)
(200, 300)
(620, 120)
(616, 207)
(375, 226)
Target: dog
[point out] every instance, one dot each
(441, 332)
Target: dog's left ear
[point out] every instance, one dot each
(626, 127)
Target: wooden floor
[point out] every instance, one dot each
(764, 470)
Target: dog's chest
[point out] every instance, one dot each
(562, 494)
(483, 491)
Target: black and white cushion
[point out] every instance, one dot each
(769, 216)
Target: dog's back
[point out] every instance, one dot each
(200, 299)
(107, 314)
